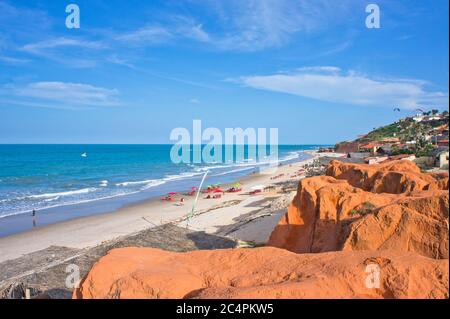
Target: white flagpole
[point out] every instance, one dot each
(196, 198)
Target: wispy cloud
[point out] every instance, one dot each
(146, 35)
(114, 59)
(243, 25)
(334, 85)
(12, 60)
(56, 49)
(254, 25)
(22, 20)
(61, 95)
(39, 47)
(336, 49)
(175, 27)
(232, 25)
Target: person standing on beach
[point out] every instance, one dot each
(33, 213)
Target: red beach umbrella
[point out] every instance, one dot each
(173, 193)
(218, 190)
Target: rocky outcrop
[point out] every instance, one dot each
(340, 230)
(367, 207)
(441, 180)
(263, 273)
(390, 177)
(347, 147)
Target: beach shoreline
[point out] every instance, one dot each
(92, 230)
(124, 186)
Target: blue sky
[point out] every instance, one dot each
(137, 69)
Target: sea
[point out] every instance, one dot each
(62, 182)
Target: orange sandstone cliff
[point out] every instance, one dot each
(262, 273)
(390, 206)
(389, 214)
(389, 177)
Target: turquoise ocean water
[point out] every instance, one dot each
(52, 177)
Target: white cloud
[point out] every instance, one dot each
(20, 20)
(179, 27)
(40, 47)
(331, 69)
(62, 95)
(146, 35)
(249, 25)
(119, 61)
(53, 49)
(257, 24)
(333, 85)
(196, 32)
(12, 60)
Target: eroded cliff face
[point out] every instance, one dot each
(262, 273)
(390, 215)
(368, 207)
(393, 177)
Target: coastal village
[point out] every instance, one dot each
(422, 138)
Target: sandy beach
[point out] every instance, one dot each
(212, 216)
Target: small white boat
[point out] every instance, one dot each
(84, 155)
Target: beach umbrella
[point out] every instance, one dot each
(218, 190)
(194, 188)
(173, 193)
(237, 185)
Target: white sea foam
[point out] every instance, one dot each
(181, 176)
(68, 193)
(156, 182)
(136, 183)
(153, 184)
(70, 203)
(235, 171)
(228, 168)
(52, 199)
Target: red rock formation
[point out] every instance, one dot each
(390, 177)
(347, 147)
(441, 180)
(262, 273)
(330, 214)
(390, 215)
